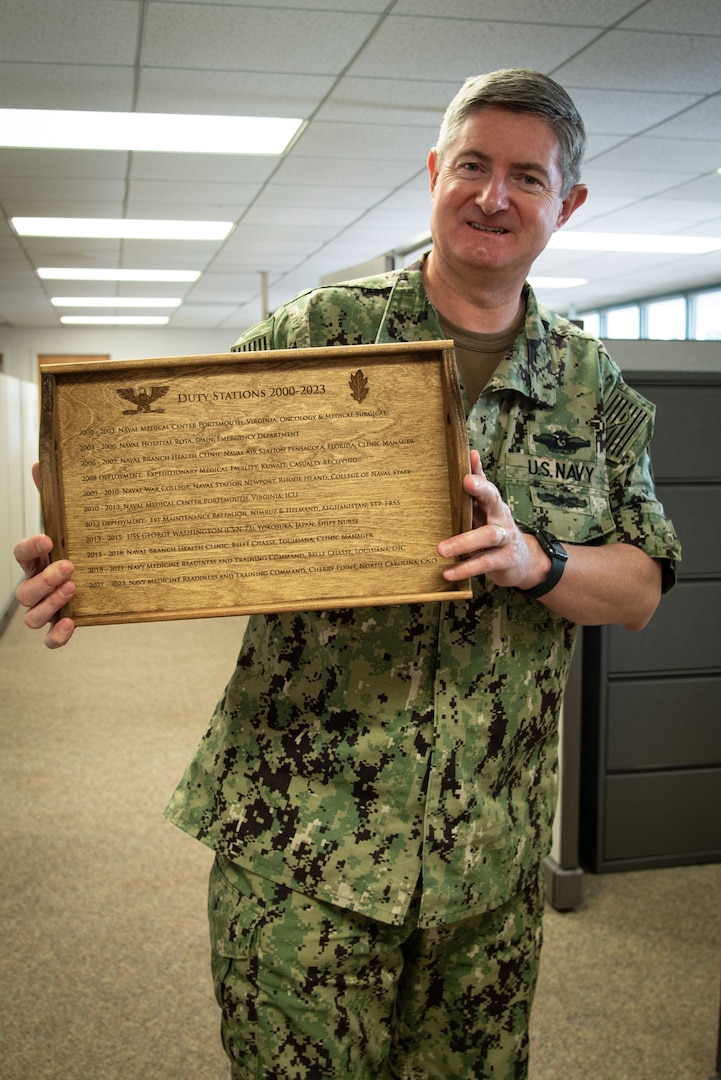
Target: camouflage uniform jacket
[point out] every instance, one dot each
(356, 749)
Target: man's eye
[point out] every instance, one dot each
(469, 166)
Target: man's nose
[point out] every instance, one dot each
(492, 195)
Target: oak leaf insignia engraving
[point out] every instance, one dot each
(358, 386)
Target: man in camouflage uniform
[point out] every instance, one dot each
(379, 783)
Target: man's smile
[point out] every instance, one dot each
(487, 228)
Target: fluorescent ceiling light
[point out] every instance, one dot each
(71, 273)
(115, 301)
(150, 132)
(114, 320)
(634, 242)
(121, 228)
(557, 282)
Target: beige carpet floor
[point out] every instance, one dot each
(103, 965)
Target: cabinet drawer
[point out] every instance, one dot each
(695, 510)
(665, 723)
(683, 635)
(650, 815)
(685, 443)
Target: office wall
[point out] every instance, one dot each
(20, 348)
(666, 355)
(19, 503)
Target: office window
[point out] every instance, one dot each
(666, 319)
(592, 323)
(708, 316)
(623, 322)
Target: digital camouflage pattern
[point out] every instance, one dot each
(357, 749)
(310, 991)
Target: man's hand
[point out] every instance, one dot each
(495, 545)
(606, 583)
(47, 586)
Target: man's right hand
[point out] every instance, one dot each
(46, 588)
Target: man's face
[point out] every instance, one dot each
(497, 194)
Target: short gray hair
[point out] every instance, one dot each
(522, 90)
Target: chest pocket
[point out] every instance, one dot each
(557, 482)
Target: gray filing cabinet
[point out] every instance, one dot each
(651, 701)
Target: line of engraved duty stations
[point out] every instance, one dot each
(250, 457)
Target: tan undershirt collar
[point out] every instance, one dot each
(478, 355)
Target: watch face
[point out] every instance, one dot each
(551, 545)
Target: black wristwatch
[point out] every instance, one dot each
(558, 556)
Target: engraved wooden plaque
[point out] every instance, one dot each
(195, 486)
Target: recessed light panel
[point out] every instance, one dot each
(182, 133)
(121, 228)
(79, 273)
(115, 301)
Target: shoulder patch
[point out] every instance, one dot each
(628, 417)
(257, 339)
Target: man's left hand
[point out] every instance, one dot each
(495, 545)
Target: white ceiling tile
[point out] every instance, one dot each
(69, 31)
(410, 199)
(18, 307)
(633, 60)
(296, 5)
(644, 217)
(230, 93)
(322, 196)
(626, 112)
(289, 216)
(596, 208)
(663, 155)
(155, 192)
(224, 288)
(66, 86)
(186, 212)
(387, 142)
(338, 172)
(707, 189)
(200, 315)
(252, 39)
(180, 254)
(388, 101)
(702, 121)
(26, 206)
(456, 48)
(18, 190)
(601, 144)
(68, 251)
(698, 17)
(629, 184)
(545, 12)
(203, 168)
(76, 164)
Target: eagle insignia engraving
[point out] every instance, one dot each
(358, 386)
(142, 400)
(562, 442)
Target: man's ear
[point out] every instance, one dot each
(433, 167)
(575, 198)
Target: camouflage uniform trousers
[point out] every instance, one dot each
(310, 991)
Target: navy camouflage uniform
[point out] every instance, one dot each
(392, 770)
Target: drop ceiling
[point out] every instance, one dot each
(372, 79)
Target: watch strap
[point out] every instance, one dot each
(558, 556)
